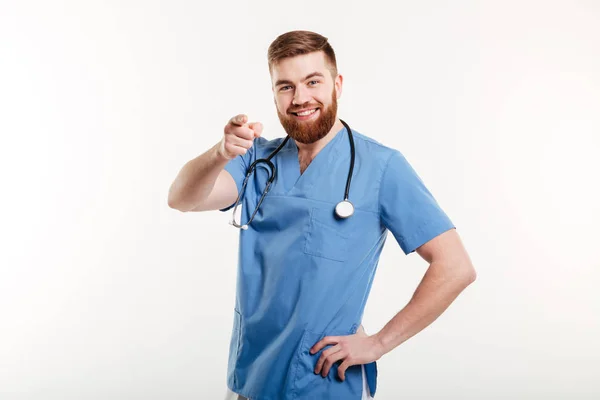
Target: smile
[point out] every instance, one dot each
(306, 114)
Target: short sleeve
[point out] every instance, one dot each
(237, 168)
(407, 208)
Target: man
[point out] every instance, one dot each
(304, 274)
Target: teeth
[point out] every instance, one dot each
(307, 112)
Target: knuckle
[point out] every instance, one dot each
(241, 133)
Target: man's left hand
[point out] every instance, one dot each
(355, 349)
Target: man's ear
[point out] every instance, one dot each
(338, 85)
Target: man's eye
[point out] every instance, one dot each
(283, 87)
(313, 81)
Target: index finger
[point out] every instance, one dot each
(238, 120)
(324, 342)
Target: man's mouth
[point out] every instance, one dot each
(305, 113)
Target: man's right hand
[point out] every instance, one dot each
(239, 136)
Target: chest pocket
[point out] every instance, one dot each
(327, 235)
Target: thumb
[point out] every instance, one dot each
(257, 127)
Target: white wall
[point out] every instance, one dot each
(107, 293)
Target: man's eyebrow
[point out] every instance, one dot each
(282, 81)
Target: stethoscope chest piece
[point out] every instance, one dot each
(344, 209)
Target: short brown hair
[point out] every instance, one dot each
(296, 43)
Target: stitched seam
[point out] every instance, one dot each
(297, 361)
(270, 195)
(237, 349)
(360, 136)
(358, 280)
(380, 185)
(315, 223)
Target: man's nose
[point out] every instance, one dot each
(301, 96)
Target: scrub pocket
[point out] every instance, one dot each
(306, 384)
(234, 347)
(326, 235)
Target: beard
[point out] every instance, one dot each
(310, 131)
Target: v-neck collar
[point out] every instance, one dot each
(319, 162)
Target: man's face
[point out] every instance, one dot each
(303, 83)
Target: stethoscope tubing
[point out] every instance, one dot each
(274, 173)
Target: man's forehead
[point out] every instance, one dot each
(297, 67)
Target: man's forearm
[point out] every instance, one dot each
(435, 293)
(196, 179)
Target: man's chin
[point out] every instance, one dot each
(303, 140)
(306, 137)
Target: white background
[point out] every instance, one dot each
(107, 293)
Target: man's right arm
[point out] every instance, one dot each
(203, 184)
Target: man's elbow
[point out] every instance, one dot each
(175, 204)
(468, 274)
(460, 273)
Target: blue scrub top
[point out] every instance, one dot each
(303, 273)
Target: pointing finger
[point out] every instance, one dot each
(239, 119)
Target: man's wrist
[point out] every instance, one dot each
(380, 348)
(219, 154)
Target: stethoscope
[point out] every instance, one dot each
(343, 209)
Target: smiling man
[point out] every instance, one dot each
(314, 220)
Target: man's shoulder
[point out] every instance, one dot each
(375, 149)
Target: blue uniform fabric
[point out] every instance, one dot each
(303, 273)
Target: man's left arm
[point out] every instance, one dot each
(411, 213)
(450, 272)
